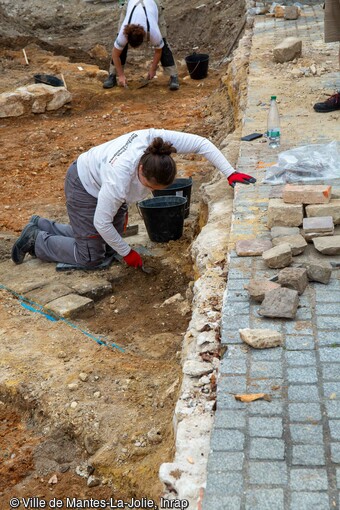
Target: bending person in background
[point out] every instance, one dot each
(332, 34)
(143, 21)
(100, 185)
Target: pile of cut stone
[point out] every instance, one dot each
(312, 207)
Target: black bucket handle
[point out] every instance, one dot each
(192, 72)
(198, 63)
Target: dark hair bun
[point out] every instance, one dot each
(160, 147)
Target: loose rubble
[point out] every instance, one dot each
(252, 247)
(294, 278)
(287, 50)
(279, 256)
(306, 194)
(319, 272)
(296, 242)
(281, 302)
(258, 288)
(261, 338)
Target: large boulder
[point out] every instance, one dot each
(34, 98)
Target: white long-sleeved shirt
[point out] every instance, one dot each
(110, 172)
(139, 18)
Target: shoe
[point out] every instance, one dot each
(111, 81)
(25, 243)
(330, 105)
(173, 83)
(34, 219)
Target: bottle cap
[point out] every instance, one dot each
(273, 97)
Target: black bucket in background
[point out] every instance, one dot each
(48, 79)
(197, 65)
(180, 188)
(163, 217)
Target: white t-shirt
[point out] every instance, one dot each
(139, 18)
(109, 172)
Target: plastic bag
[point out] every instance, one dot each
(306, 164)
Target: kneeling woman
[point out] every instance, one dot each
(101, 184)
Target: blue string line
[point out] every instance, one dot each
(32, 309)
(35, 307)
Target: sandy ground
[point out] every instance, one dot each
(37, 150)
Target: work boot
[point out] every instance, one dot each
(34, 219)
(111, 81)
(173, 83)
(330, 105)
(25, 243)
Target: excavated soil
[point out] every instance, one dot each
(36, 150)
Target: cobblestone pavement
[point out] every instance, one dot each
(283, 454)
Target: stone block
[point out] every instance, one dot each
(196, 368)
(319, 271)
(279, 11)
(318, 224)
(279, 256)
(258, 288)
(327, 245)
(252, 247)
(313, 235)
(261, 338)
(291, 12)
(48, 293)
(93, 288)
(71, 306)
(287, 50)
(60, 98)
(330, 209)
(281, 214)
(266, 449)
(45, 97)
(294, 278)
(11, 104)
(284, 231)
(281, 302)
(296, 242)
(306, 194)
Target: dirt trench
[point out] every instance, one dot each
(138, 389)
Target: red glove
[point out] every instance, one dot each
(133, 259)
(243, 178)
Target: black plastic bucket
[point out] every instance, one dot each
(163, 217)
(48, 79)
(180, 188)
(197, 65)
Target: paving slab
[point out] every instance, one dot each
(40, 283)
(286, 450)
(48, 293)
(70, 306)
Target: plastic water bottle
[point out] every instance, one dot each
(273, 124)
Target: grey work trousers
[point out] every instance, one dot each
(78, 242)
